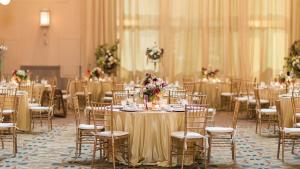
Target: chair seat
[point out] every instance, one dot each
(297, 115)
(292, 130)
(227, 94)
(219, 129)
(89, 127)
(189, 135)
(211, 110)
(242, 99)
(107, 99)
(298, 125)
(108, 93)
(115, 133)
(8, 111)
(66, 96)
(7, 125)
(40, 108)
(34, 105)
(268, 111)
(64, 91)
(262, 101)
(81, 93)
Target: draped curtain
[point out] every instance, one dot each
(241, 38)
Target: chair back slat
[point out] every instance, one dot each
(176, 95)
(195, 118)
(279, 115)
(119, 95)
(189, 87)
(235, 114)
(102, 116)
(76, 110)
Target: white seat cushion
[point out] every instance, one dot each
(6, 125)
(40, 108)
(227, 94)
(66, 96)
(79, 93)
(108, 93)
(34, 105)
(297, 115)
(107, 99)
(241, 99)
(189, 135)
(268, 111)
(292, 130)
(8, 111)
(262, 101)
(211, 110)
(219, 129)
(298, 125)
(89, 127)
(116, 133)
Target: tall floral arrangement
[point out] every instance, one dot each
(20, 75)
(292, 62)
(107, 59)
(154, 53)
(153, 86)
(209, 72)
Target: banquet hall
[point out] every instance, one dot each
(150, 84)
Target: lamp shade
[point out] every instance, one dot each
(4, 2)
(44, 18)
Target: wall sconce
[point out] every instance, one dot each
(45, 23)
(4, 2)
(44, 18)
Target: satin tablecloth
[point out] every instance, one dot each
(149, 134)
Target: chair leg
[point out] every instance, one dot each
(128, 151)
(259, 126)
(94, 152)
(278, 149)
(293, 147)
(233, 150)
(113, 152)
(80, 141)
(283, 146)
(209, 147)
(256, 127)
(170, 153)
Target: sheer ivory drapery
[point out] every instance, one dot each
(242, 38)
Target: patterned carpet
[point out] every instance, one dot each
(55, 149)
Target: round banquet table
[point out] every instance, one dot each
(149, 134)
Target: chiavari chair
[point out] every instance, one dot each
(176, 95)
(285, 135)
(263, 115)
(192, 140)
(201, 99)
(295, 107)
(189, 87)
(83, 131)
(223, 136)
(88, 107)
(37, 96)
(119, 96)
(43, 112)
(28, 87)
(8, 101)
(228, 98)
(108, 142)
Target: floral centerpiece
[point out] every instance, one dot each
(107, 59)
(154, 53)
(96, 73)
(20, 75)
(293, 60)
(153, 87)
(209, 72)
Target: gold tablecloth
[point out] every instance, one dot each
(97, 88)
(213, 91)
(149, 134)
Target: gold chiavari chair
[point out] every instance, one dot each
(8, 101)
(28, 87)
(201, 99)
(264, 115)
(83, 131)
(108, 142)
(37, 96)
(192, 140)
(176, 95)
(119, 95)
(223, 136)
(285, 134)
(43, 112)
(228, 98)
(189, 87)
